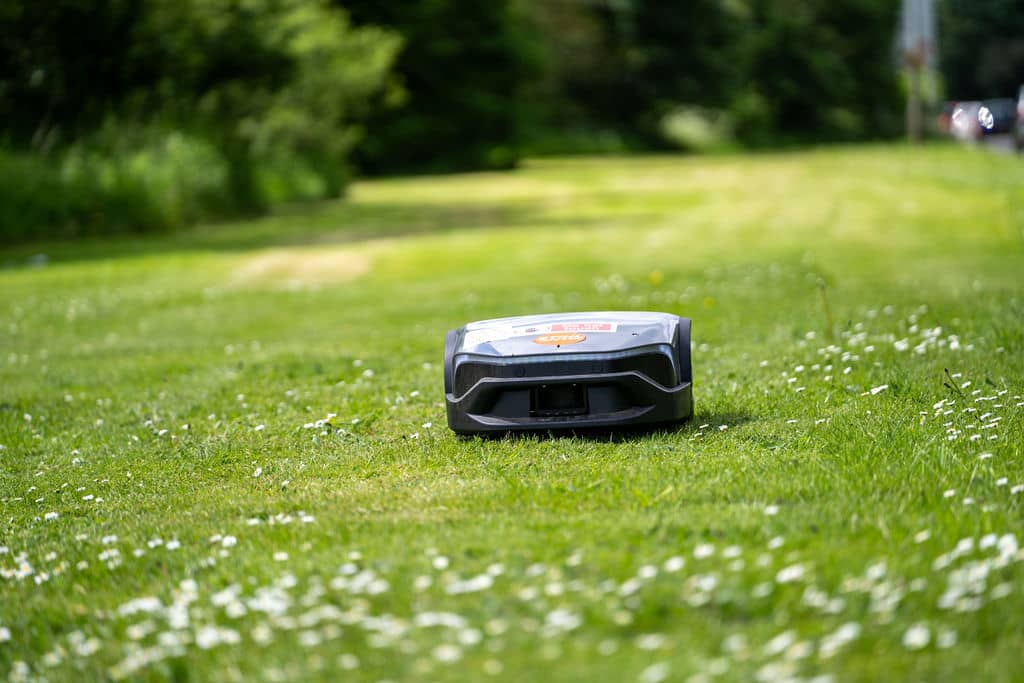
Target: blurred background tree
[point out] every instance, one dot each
(820, 71)
(982, 47)
(147, 114)
(144, 114)
(614, 69)
(754, 72)
(462, 74)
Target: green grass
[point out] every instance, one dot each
(268, 396)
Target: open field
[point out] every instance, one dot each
(224, 453)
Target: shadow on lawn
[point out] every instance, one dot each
(627, 434)
(334, 222)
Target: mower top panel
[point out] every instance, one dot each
(560, 333)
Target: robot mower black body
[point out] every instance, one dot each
(568, 371)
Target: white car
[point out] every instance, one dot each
(964, 123)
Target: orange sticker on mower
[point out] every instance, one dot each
(559, 339)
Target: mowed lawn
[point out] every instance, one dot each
(224, 456)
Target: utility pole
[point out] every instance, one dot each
(913, 62)
(917, 40)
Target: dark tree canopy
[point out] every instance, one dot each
(462, 71)
(981, 43)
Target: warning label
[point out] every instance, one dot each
(583, 327)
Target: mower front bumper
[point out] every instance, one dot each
(594, 401)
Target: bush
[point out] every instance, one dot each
(163, 113)
(184, 176)
(131, 179)
(783, 71)
(84, 192)
(462, 70)
(32, 193)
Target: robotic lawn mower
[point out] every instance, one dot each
(568, 371)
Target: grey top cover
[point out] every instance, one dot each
(593, 332)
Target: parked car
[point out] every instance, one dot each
(1018, 128)
(997, 116)
(963, 122)
(974, 120)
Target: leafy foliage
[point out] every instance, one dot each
(261, 83)
(462, 74)
(982, 47)
(813, 76)
(776, 71)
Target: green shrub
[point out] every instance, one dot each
(462, 72)
(31, 194)
(159, 114)
(184, 177)
(121, 180)
(38, 201)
